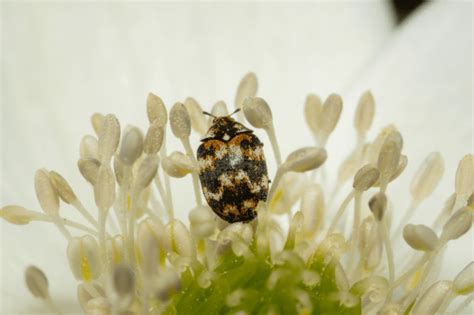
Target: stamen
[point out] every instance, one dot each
(98, 305)
(123, 284)
(89, 147)
(420, 237)
(304, 304)
(45, 192)
(198, 121)
(84, 293)
(37, 284)
(390, 309)
(288, 192)
(364, 114)
(104, 189)
(89, 169)
(123, 280)
(66, 194)
(402, 164)
(150, 242)
(427, 177)
(464, 281)
(104, 193)
(372, 256)
(342, 281)
(432, 300)
(181, 127)
(423, 184)
(109, 138)
(18, 215)
(374, 288)
(131, 147)
(235, 298)
(164, 196)
(459, 223)
(462, 306)
(67, 222)
(445, 212)
(470, 201)
(168, 285)
(348, 168)
(378, 207)
(302, 160)
(416, 267)
(464, 184)
(365, 178)
(295, 226)
(49, 199)
(313, 209)
(154, 139)
(218, 110)
(205, 279)
(62, 187)
(340, 212)
(21, 216)
(259, 115)
(178, 165)
(374, 146)
(96, 120)
(330, 114)
(312, 112)
(156, 110)
(115, 250)
(366, 235)
(248, 87)
(389, 157)
(178, 239)
(84, 258)
(146, 172)
(144, 175)
(310, 278)
(158, 115)
(180, 121)
(305, 159)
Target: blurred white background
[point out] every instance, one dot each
(61, 62)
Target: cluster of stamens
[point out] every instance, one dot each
(133, 256)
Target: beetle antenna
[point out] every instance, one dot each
(235, 111)
(209, 114)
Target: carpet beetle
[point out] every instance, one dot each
(232, 170)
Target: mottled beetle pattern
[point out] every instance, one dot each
(232, 170)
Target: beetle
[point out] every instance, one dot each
(232, 169)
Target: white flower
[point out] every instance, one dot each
(61, 64)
